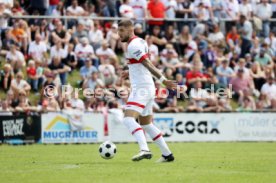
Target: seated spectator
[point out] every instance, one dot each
(70, 57)
(49, 104)
(216, 37)
(199, 97)
(112, 37)
(87, 70)
(153, 51)
(84, 51)
(19, 84)
(96, 36)
(43, 31)
(50, 86)
(271, 41)
(5, 109)
(263, 103)
(19, 34)
(58, 51)
(240, 83)
(138, 31)
(269, 89)
(15, 58)
(264, 59)
(157, 38)
(106, 54)
(169, 50)
(59, 69)
(184, 40)
(233, 38)
(209, 56)
(33, 77)
(257, 75)
(6, 77)
(22, 104)
(194, 76)
(242, 65)
(38, 50)
(59, 34)
(170, 34)
(170, 61)
(107, 72)
(80, 32)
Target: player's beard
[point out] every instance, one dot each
(125, 40)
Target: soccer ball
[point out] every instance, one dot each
(107, 150)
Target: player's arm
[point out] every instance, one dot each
(156, 73)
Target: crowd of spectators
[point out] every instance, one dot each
(235, 58)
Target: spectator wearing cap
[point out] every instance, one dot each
(38, 50)
(224, 73)
(264, 12)
(18, 84)
(155, 9)
(59, 69)
(126, 10)
(264, 59)
(87, 70)
(6, 77)
(257, 74)
(84, 51)
(139, 8)
(59, 34)
(246, 31)
(240, 83)
(15, 58)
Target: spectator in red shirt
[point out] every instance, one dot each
(32, 78)
(156, 9)
(195, 75)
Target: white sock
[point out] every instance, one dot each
(137, 131)
(157, 137)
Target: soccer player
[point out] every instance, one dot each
(140, 101)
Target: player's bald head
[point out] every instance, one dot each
(125, 23)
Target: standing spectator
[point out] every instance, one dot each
(153, 51)
(183, 10)
(126, 10)
(52, 6)
(5, 14)
(139, 8)
(246, 9)
(38, 50)
(264, 12)
(39, 5)
(225, 73)
(217, 8)
(75, 9)
(170, 7)
(155, 9)
(246, 34)
(6, 77)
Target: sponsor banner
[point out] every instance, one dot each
(207, 127)
(57, 129)
(20, 129)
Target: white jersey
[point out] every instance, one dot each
(137, 51)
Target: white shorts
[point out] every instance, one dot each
(141, 101)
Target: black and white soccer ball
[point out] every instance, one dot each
(107, 150)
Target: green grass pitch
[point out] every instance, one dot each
(195, 162)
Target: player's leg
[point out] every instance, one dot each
(156, 135)
(145, 120)
(137, 131)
